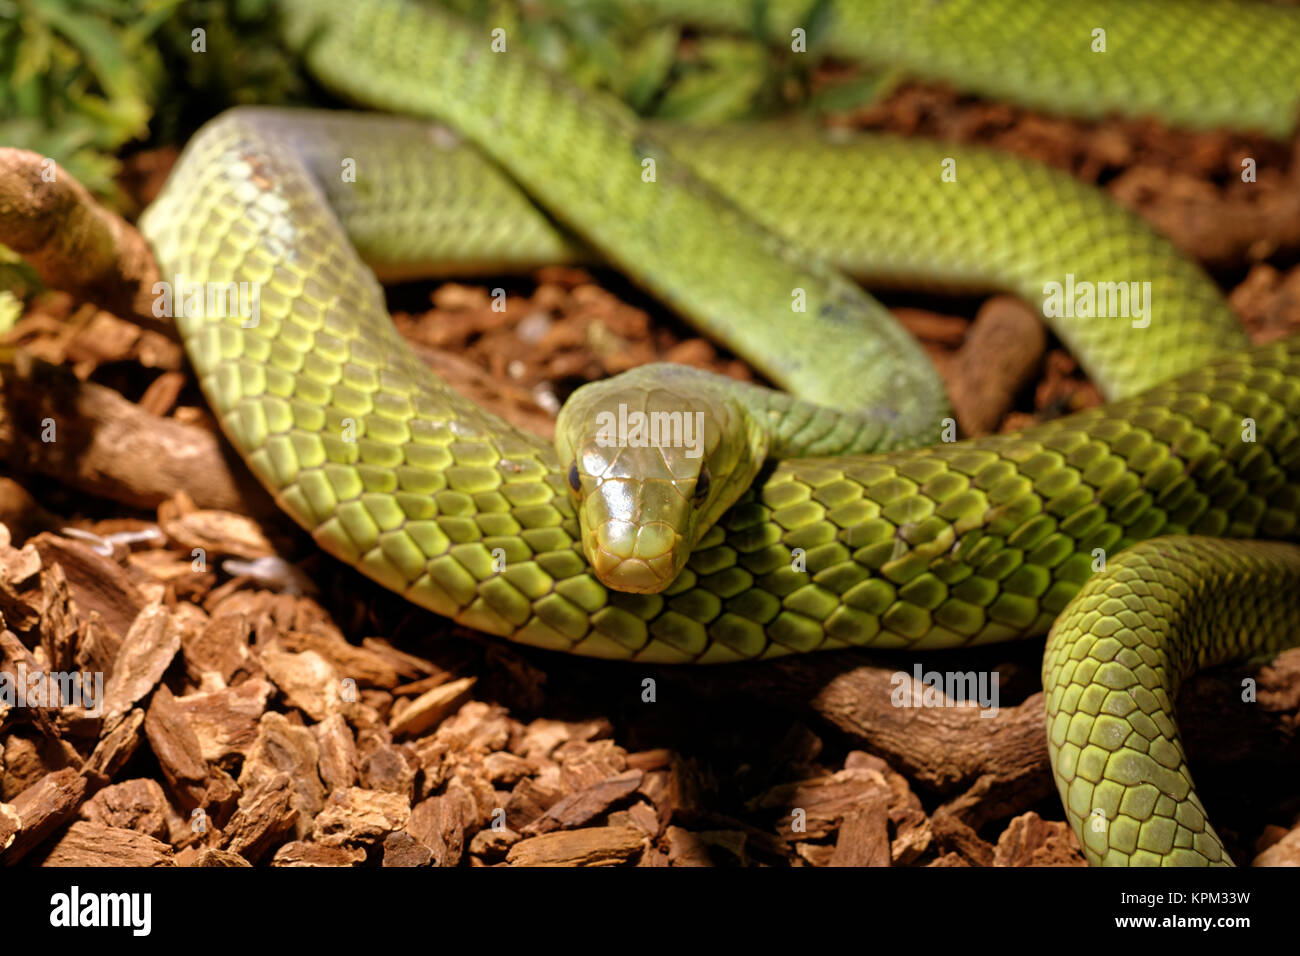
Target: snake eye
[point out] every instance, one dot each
(702, 486)
(575, 481)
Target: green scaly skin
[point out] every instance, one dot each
(391, 471)
(875, 206)
(1164, 610)
(1201, 64)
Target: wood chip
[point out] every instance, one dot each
(221, 647)
(265, 816)
(210, 856)
(402, 849)
(814, 808)
(299, 853)
(587, 804)
(1029, 840)
(138, 805)
(596, 846)
(357, 817)
(338, 753)
(366, 667)
(431, 708)
(148, 648)
(117, 746)
(216, 533)
(96, 583)
(863, 838)
(93, 844)
(308, 681)
(44, 807)
(280, 749)
(192, 782)
(226, 720)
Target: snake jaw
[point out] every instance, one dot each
(637, 532)
(656, 558)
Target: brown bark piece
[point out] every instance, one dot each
(493, 844)
(595, 846)
(211, 857)
(357, 817)
(94, 423)
(174, 742)
(220, 648)
(59, 621)
(308, 681)
(44, 807)
(20, 585)
(686, 848)
(402, 849)
(215, 532)
(431, 708)
(366, 667)
(97, 583)
(337, 764)
(532, 797)
(1001, 356)
(912, 836)
(283, 749)
(387, 768)
(226, 721)
(264, 817)
(117, 746)
(945, 748)
(955, 836)
(543, 735)
(146, 651)
(93, 844)
(138, 805)
(1284, 852)
(585, 764)
(814, 808)
(505, 768)
(863, 838)
(299, 853)
(437, 824)
(587, 804)
(1029, 840)
(10, 824)
(97, 647)
(441, 822)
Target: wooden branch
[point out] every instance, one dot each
(90, 438)
(72, 242)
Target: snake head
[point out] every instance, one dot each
(653, 458)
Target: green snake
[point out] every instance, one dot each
(956, 544)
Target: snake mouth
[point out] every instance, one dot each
(634, 574)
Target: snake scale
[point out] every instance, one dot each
(960, 543)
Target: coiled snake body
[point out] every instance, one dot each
(960, 543)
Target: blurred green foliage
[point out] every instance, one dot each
(80, 80)
(627, 48)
